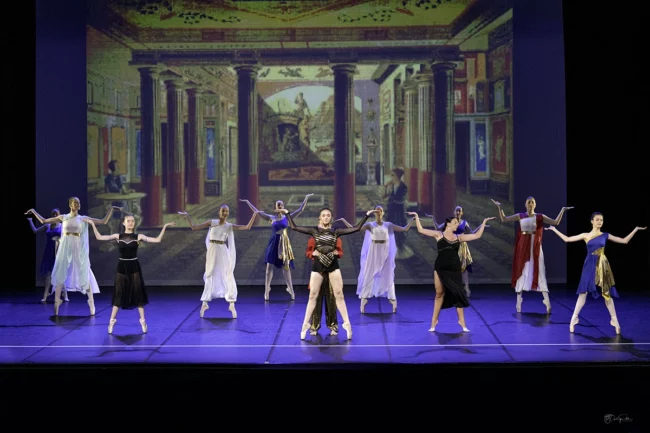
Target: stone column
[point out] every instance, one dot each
(425, 143)
(444, 184)
(151, 147)
(247, 140)
(196, 150)
(411, 163)
(175, 148)
(344, 149)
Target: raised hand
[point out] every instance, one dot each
(89, 221)
(550, 228)
(309, 195)
(496, 202)
(117, 208)
(413, 214)
(429, 216)
(567, 207)
(169, 225)
(183, 213)
(641, 228)
(30, 211)
(244, 200)
(488, 219)
(372, 211)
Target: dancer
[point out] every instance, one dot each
(72, 264)
(596, 272)
(326, 262)
(447, 276)
(396, 194)
(129, 291)
(220, 259)
(465, 256)
(326, 296)
(279, 253)
(377, 270)
(53, 234)
(528, 269)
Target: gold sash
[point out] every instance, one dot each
(465, 256)
(604, 275)
(286, 252)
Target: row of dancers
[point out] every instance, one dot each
(66, 263)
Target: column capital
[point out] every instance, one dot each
(344, 68)
(194, 89)
(423, 78)
(151, 71)
(439, 66)
(247, 68)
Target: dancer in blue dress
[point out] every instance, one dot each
(279, 253)
(596, 272)
(53, 235)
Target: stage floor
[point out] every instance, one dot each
(269, 332)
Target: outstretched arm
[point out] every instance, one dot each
(247, 226)
(557, 220)
(426, 232)
(627, 238)
(354, 229)
(34, 229)
(405, 228)
(565, 238)
(201, 226)
(264, 216)
(477, 234)
(157, 239)
(294, 227)
(344, 221)
(435, 223)
(502, 216)
(107, 218)
(101, 237)
(302, 206)
(56, 219)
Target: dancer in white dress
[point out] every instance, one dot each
(528, 270)
(377, 270)
(220, 259)
(72, 264)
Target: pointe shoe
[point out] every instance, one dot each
(57, 304)
(464, 328)
(519, 301)
(111, 324)
(433, 328)
(394, 303)
(333, 333)
(144, 326)
(313, 332)
(574, 322)
(231, 308)
(91, 304)
(364, 301)
(548, 306)
(614, 323)
(293, 295)
(303, 332)
(266, 294)
(204, 308)
(348, 329)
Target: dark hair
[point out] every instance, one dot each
(324, 208)
(124, 217)
(398, 172)
(594, 214)
(447, 220)
(55, 210)
(111, 164)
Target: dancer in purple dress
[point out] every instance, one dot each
(279, 253)
(596, 272)
(53, 235)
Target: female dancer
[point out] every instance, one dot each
(220, 259)
(326, 296)
(72, 264)
(396, 193)
(596, 272)
(465, 256)
(447, 276)
(326, 262)
(278, 251)
(53, 233)
(528, 270)
(129, 291)
(377, 272)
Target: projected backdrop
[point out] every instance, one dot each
(165, 123)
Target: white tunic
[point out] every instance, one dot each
(220, 261)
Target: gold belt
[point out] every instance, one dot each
(527, 233)
(72, 234)
(212, 241)
(379, 241)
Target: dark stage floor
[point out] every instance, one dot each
(268, 332)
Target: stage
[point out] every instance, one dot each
(268, 333)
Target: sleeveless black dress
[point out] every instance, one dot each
(449, 270)
(129, 292)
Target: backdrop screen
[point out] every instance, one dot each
(423, 136)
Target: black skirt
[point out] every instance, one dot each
(129, 291)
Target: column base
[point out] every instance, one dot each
(425, 193)
(445, 194)
(195, 186)
(411, 179)
(175, 192)
(152, 203)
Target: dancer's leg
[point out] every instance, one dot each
(461, 318)
(287, 277)
(466, 283)
(546, 302)
(437, 303)
(336, 280)
(91, 301)
(113, 319)
(143, 322)
(315, 282)
(267, 281)
(330, 308)
(48, 283)
(609, 303)
(580, 302)
(57, 299)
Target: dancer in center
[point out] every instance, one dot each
(447, 276)
(326, 262)
(326, 296)
(596, 272)
(279, 253)
(220, 259)
(377, 270)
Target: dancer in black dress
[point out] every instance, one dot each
(448, 275)
(129, 291)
